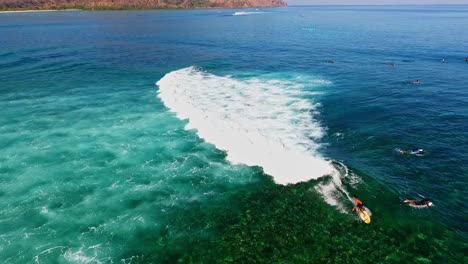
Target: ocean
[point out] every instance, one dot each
(234, 136)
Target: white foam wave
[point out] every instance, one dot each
(80, 256)
(333, 190)
(257, 122)
(244, 13)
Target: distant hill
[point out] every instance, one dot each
(134, 4)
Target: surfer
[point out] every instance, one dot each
(415, 151)
(390, 64)
(362, 211)
(423, 203)
(443, 60)
(415, 82)
(357, 204)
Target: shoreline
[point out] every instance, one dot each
(38, 10)
(129, 9)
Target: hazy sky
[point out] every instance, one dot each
(375, 2)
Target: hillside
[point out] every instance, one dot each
(134, 4)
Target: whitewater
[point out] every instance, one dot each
(258, 122)
(243, 13)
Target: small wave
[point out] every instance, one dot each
(339, 135)
(419, 206)
(332, 189)
(80, 256)
(244, 13)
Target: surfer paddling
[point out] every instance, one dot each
(415, 151)
(420, 204)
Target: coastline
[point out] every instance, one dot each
(131, 9)
(121, 6)
(39, 10)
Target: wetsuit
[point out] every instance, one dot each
(424, 201)
(357, 204)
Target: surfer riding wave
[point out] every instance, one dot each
(235, 114)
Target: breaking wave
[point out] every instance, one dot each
(244, 13)
(258, 122)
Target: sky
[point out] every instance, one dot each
(375, 2)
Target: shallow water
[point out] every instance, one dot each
(97, 165)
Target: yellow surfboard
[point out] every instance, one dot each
(365, 217)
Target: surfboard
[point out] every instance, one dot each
(419, 206)
(364, 216)
(408, 152)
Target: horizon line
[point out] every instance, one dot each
(381, 5)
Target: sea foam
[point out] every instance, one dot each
(258, 122)
(244, 13)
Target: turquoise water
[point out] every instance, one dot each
(100, 165)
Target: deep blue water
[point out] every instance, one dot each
(91, 158)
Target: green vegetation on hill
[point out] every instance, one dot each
(134, 4)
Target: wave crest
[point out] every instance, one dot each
(244, 13)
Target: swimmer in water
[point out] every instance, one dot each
(415, 151)
(390, 64)
(417, 82)
(424, 202)
(443, 60)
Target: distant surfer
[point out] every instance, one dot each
(390, 64)
(466, 59)
(443, 60)
(415, 151)
(417, 82)
(423, 203)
